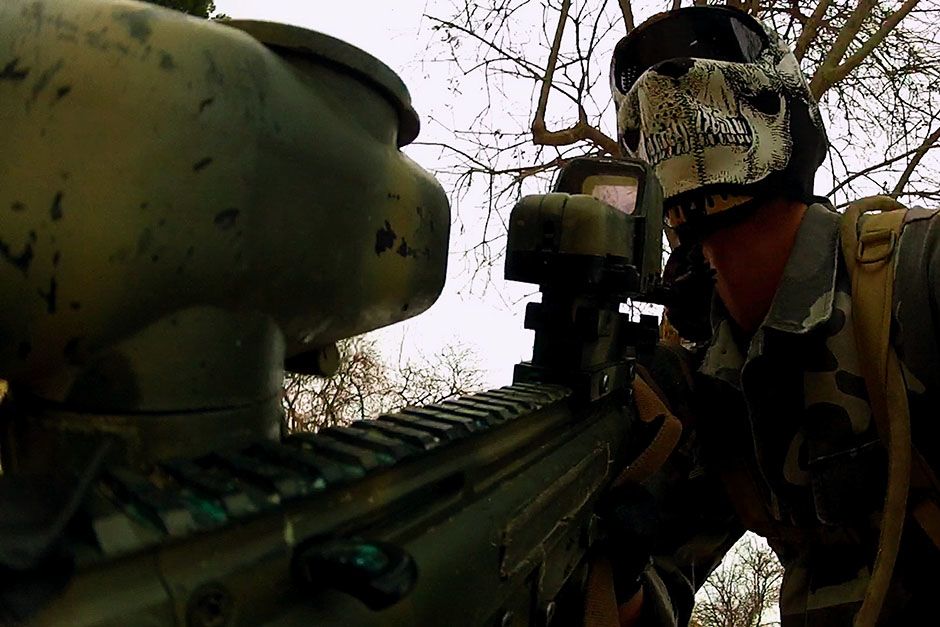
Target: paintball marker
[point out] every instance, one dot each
(189, 208)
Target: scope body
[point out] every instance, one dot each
(186, 205)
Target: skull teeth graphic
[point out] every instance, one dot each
(710, 131)
(703, 128)
(701, 123)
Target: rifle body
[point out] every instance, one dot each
(496, 515)
(195, 207)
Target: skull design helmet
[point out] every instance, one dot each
(718, 105)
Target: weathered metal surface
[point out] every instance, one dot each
(168, 181)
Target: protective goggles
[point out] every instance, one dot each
(717, 33)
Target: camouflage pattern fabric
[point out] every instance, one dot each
(784, 443)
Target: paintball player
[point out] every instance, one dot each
(781, 436)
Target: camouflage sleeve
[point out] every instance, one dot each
(697, 523)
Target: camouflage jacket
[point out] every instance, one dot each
(780, 438)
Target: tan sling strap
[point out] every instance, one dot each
(922, 478)
(600, 603)
(649, 407)
(869, 257)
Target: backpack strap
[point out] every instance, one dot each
(880, 236)
(869, 247)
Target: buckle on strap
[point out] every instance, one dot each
(876, 245)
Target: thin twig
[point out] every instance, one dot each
(581, 130)
(626, 9)
(870, 169)
(538, 121)
(838, 49)
(808, 34)
(531, 70)
(830, 77)
(914, 162)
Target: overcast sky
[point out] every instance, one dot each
(386, 29)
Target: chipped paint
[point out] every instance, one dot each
(55, 211)
(43, 81)
(13, 72)
(201, 164)
(137, 23)
(224, 220)
(166, 61)
(213, 73)
(384, 239)
(21, 261)
(50, 295)
(97, 40)
(403, 250)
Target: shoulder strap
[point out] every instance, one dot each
(868, 248)
(877, 334)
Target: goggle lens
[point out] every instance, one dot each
(715, 33)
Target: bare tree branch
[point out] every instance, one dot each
(741, 589)
(876, 61)
(914, 162)
(530, 69)
(810, 29)
(626, 8)
(538, 122)
(581, 130)
(872, 168)
(365, 385)
(846, 36)
(825, 78)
